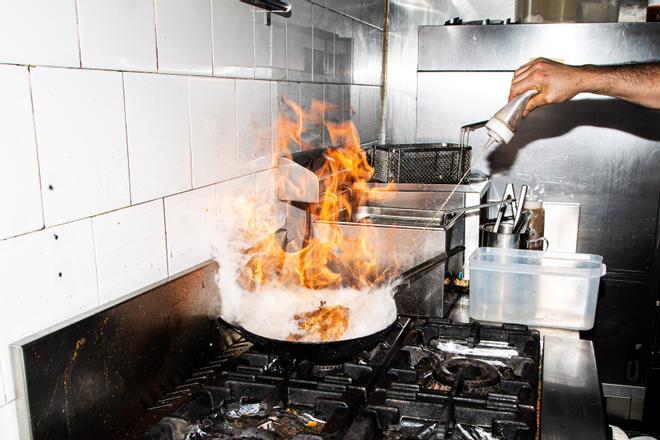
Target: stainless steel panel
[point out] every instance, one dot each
(405, 18)
(354, 103)
(571, 401)
(361, 74)
(444, 48)
(351, 8)
(233, 39)
(333, 95)
(270, 46)
(296, 183)
(422, 196)
(323, 59)
(373, 12)
(253, 125)
(624, 401)
(400, 248)
(367, 123)
(346, 111)
(599, 152)
(299, 42)
(97, 372)
(375, 56)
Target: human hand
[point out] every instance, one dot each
(556, 82)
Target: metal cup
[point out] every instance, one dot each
(505, 238)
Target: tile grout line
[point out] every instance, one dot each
(96, 261)
(156, 35)
(36, 150)
(212, 39)
(188, 74)
(167, 250)
(128, 150)
(190, 141)
(78, 33)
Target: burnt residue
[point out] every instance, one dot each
(100, 374)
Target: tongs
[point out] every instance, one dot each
(475, 207)
(509, 197)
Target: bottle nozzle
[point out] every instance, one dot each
(504, 123)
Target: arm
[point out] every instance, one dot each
(557, 82)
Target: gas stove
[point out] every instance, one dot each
(159, 365)
(427, 379)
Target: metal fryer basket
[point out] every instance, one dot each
(419, 163)
(414, 222)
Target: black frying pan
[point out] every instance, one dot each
(332, 351)
(314, 351)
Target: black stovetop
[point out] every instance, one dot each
(428, 379)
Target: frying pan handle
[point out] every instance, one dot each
(411, 275)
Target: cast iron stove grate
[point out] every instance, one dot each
(266, 396)
(451, 381)
(430, 379)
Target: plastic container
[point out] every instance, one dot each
(539, 289)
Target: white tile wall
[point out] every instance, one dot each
(158, 135)
(312, 132)
(213, 130)
(361, 73)
(269, 46)
(184, 36)
(39, 32)
(283, 93)
(117, 34)
(79, 119)
(130, 249)
(3, 397)
(299, 42)
(8, 422)
(19, 171)
(48, 276)
(343, 49)
(323, 66)
(253, 127)
(123, 150)
(233, 38)
(192, 224)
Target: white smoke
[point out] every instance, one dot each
(269, 311)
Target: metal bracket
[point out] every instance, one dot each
(271, 6)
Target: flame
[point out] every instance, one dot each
(330, 258)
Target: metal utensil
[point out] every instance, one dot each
(504, 238)
(523, 224)
(509, 195)
(516, 215)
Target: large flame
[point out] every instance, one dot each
(329, 259)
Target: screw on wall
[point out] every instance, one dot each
(50, 187)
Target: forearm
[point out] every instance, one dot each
(636, 83)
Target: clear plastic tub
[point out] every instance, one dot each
(535, 288)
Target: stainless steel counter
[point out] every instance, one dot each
(571, 402)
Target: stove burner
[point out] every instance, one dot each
(473, 373)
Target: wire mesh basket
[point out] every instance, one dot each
(419, 163)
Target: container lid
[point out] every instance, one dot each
(537, 262)
(532, 203)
